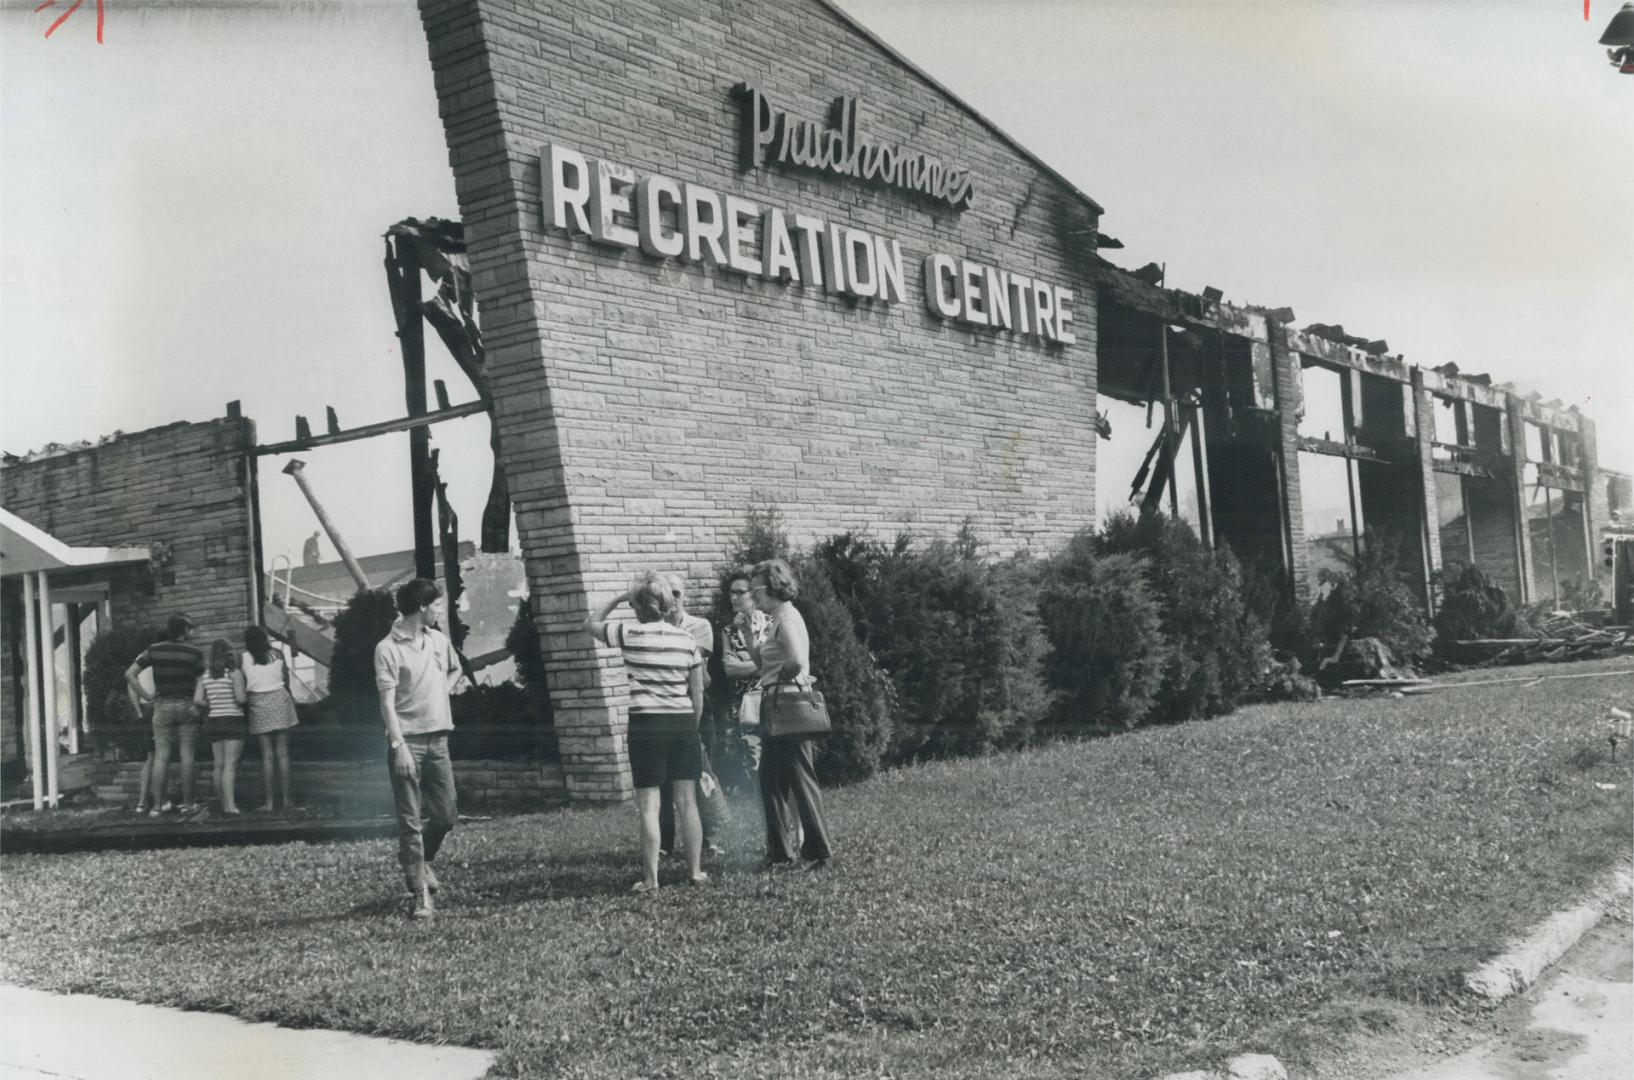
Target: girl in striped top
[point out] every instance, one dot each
(666, 699)
(221, 696)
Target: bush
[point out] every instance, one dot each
(957, 635)
(523, 644)
(1472, 606)
(1285, 619)
(1368, 599)
(107, 705)
(1217, 645)
(367, 619)
(860, 699)
(1104, 628)
(858, 695)
(1581, 593)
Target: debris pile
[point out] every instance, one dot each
(1558, 636)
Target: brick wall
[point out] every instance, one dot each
(1492, 517)
(183, 485)
(643, 404)
(353, 787)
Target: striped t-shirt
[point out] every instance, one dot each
(176, 667)
(218, 694)
(658, 658)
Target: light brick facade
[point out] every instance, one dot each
(644, 404)
(183, 485)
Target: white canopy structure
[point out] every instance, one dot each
(34, 555)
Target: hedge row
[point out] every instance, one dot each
(933, 648)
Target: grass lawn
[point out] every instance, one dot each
(1116, 908)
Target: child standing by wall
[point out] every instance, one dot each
(221, 697)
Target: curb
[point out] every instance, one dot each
(1508, 973)
(1241, 1067)
(1519, 966)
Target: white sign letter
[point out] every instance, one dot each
(606, 202)
(740, 230)
(654, 192)
(1063, 316)
(703, 229)
(777, 249)
(811, 262)
(858, 240)
(970, 284)
(565, 196)
(939, 298)
(888, 268)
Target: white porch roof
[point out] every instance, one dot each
(25, 549)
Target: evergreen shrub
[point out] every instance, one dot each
(107, 705)
(1473, 606)
(367, 619)
(1369, 599)
(957, 633)
(857, 692)
(522, 642)
(1104, 628)
(1217, 644)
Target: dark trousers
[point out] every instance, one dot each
(788, 786)
(426, 811)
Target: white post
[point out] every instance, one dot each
(31, 643)
(76, 714)
(48, 688)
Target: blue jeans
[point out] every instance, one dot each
(426, 811)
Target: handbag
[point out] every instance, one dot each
(794, 711)
(749, 708)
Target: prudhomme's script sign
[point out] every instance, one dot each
(771, 136)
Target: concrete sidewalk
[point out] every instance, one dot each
(76, 1037)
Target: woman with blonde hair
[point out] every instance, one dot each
(221, 698)
(665, 673)
(788, 770)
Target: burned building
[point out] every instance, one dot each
(740, 254)
(1300, 441)
(735, 254)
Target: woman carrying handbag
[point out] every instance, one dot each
(788, 772)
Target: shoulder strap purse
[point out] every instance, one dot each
(793, 710)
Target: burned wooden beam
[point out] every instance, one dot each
(438, 247)
(1334, 448)
(369, 431)
(403, 281)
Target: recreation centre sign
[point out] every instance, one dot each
(668, 218)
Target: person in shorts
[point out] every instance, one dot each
(177, 665)
(666, 701)
(703, 635)
(135, 739)
(221, 697)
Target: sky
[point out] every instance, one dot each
(192, 211)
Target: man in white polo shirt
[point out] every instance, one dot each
(415, 667)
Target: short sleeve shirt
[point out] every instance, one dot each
(176, 668)
(659, 659)
(786, 639)
(417, 669)
(702, 631)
